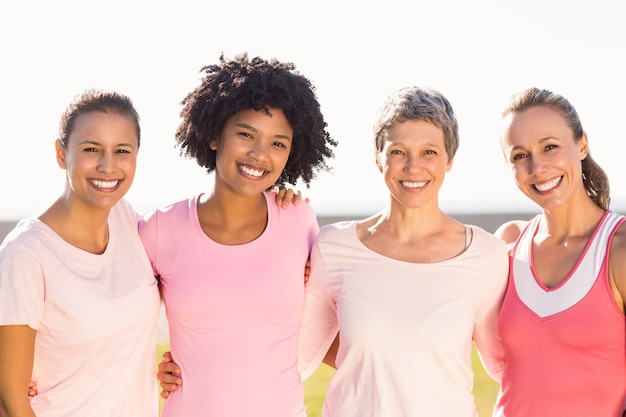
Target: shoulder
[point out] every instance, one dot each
(337, 230)
(491, 246)
(123, 211)
(301, 213)
(26, 241)
(617, 262)
(511, 231)
(618, 247)
(25, 231)
(171, 210)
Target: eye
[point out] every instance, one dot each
(518, 156)
(279, 144)
(124, 151)
(396, 152)
(430, 152)
(245, 134)
(550, 147)
(90, 149)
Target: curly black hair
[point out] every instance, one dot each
(241, 84)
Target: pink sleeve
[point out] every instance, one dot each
(148, 232)
(486, 336)
(319, 320)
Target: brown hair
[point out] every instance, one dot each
(595, 180)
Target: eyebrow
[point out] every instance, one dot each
(95, 143)
(541, 140)
(247, 126)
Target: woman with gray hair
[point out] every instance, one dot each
(408, 289)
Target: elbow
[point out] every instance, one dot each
(14, 408)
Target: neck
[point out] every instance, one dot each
(81, 226)
(404, 221)
(570, 221)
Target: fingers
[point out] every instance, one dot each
(32, 389)
(287, 196)
(168, 375)
(297, 198)
(166, 389)
(307, 270)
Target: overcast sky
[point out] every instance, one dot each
(476, 53)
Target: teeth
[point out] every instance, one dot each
(548, 185)
(104, 184)
(413, 184)
(253, 172)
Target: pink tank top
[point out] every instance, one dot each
(565, 346)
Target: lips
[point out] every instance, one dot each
(254, 172)
(413, 184)
(548, 185)
(105, 185)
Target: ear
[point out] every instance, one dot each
(213, 144)
(60, 154)
(379, 164)
(583, 147)
(449, 165)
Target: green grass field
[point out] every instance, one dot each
(485, 388)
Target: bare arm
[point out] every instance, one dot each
(510, 232)
(17, 350)
(331, 356)
(617, 266)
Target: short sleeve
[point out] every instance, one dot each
(22, 289)
(319, 321)
(486, 336)
(148, 232)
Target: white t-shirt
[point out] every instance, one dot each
(95, 317)
(406, 329)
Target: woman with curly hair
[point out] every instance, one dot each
(230, 262)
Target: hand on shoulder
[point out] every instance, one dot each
(511, 231)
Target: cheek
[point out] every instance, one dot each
(130, 166)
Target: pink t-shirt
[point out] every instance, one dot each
(565, 347)
(406, 329)
(234, 311)
(95, 317)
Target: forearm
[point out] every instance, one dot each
(18, 408)
(17, 345)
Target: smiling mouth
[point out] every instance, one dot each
(413, 184)
(105, 185)
(548, 185)
(252, 171)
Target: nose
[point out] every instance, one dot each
(536, 165)
(259, 150)
(412, 163)
(106, 162)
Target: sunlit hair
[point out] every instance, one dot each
(415, 103)
(595, 180)
(94, 100)
(241, 84)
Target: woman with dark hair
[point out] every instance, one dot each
(76, 289)
(230, 262)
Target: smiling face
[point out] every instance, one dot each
(414, 162)
(252, 150)
(100, 159)
(543, 155)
